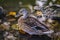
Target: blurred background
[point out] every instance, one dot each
(14, 4)
(9, 24)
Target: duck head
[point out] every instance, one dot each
(24, 13)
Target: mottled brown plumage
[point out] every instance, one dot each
(27, 24)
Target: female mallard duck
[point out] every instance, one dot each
(31, 25)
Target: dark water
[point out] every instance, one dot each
(27, 37)
(35, 37)
(43, 37)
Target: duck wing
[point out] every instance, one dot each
(31, 26)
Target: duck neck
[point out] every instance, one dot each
(25, 16)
